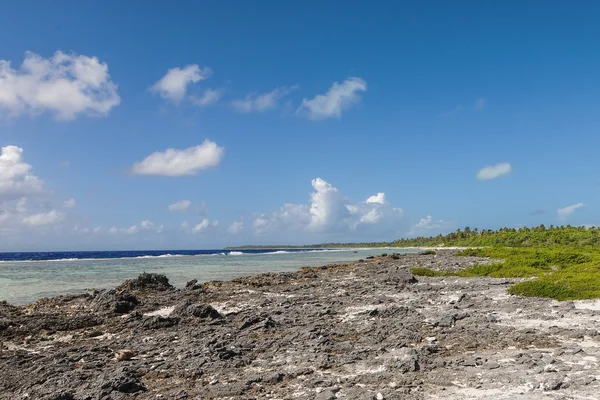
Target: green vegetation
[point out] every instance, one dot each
(539, 236)
(563, 262)
(560, 272)
(512, 237)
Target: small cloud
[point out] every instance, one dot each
(493, 171)
(261, 102)
(201, 226)
(133, 229)
(71, 203)
(174, 162)
(210, 97)
(180, 206)
(378, 198)
(428, 224)
(43, 218)
(479, 104)
(340, 97)
(78, 229)
(64, 164)
(538, 211)
(235, 228)
(173, 86)
(455, 110)
(564, 213)
(147, 224)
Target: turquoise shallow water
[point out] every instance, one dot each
(23, 282)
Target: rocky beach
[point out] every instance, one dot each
(363, 330)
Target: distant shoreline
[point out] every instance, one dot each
(349, 248)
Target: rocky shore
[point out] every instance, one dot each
(365, 330)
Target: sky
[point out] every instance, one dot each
(204, 124)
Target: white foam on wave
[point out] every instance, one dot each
(236, 253)
(159, 256)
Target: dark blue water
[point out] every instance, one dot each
(100, 255)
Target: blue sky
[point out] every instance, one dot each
(287, 119)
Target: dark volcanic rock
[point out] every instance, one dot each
(112, 301)
(189, 309)
(146, 281)
(366, 330)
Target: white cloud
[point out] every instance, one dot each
(71, 203)
(15, 177)
(65, 84)
(149, 225)
(215, 223)
(479, 104)
(331, 212)
(261, 102)
(494, 171)
(201, 226)
(97, 229)
(289, 216)
(43, 218)
(173, 162)
(180, 206)
(378, 198)
(428, 224)
(339, 98)
(564, 213)
(133, 229)
(210, 97)
(235, 228)
(173, 86)
(78, 229)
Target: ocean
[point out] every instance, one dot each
(26, 277)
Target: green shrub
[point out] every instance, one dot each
(538, 288)
(480, 270)
(427, 272)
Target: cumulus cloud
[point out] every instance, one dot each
(149, 225)
(41, 219)
(16, 180)
(201, 226)
(132, 230)
(564, 213)
(173, 162)
(64, 84)
(180, 206)
(378, 198)
(235, 227)
(261, 102)
(339, 98)
(173, 86)
(426, 225)
(288, 216)
(71, 203)
(209, 97)
(493, 171)
(330, 211)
